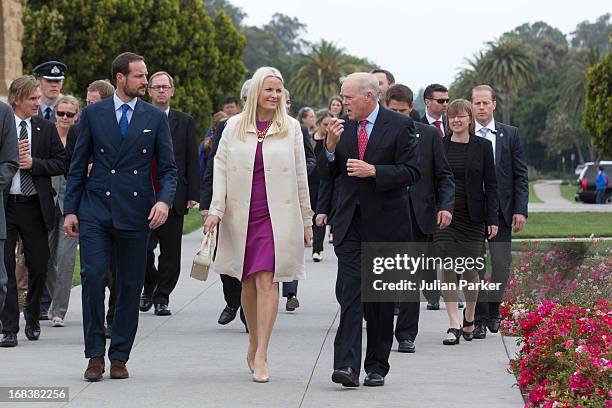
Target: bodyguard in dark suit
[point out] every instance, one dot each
(117, 204)
(9, 163)
(436, 101)
(513, 193)
(374, 154)
(431, 204)
(29, 205)
(160, 281)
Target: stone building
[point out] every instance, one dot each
(11, 34)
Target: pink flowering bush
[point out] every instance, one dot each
(558, 306)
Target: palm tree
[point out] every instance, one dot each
(508, 65)
(318, 73)
(467, 78)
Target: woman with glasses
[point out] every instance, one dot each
(62, 248)
(474, 217)
(260, 192)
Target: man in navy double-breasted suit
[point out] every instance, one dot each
(116, 204)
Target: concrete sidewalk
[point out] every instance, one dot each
(188, 360)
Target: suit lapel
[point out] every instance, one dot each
(350, 131)
(140, 118)
(110, 117)
(377, 134)
(499, 140)
(36, 139)
(471, 155)
(174, 123)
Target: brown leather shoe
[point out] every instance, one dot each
(95, 369)
(118, 370)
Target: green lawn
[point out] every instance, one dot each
(533, 198)
(192, 222)
(565, 225)
(568, 191)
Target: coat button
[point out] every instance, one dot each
(113, 171)
(135, 171)
(107, 193)
(135, 193)
(144, 151)
(101, 150)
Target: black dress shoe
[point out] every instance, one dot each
(493, 324)
(162, 310)
(8, 340)
(480, 332)
(145, 303)
(346, 376)
(433, 305)
(406, 346)
(374, 380)
(32, 332)
(108, 331)
(227, 315)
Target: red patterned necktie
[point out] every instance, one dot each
(362, 139)
(438, 125)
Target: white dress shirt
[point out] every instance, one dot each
(488, 132)
(118, 103)
(16, 183)
(431, 121)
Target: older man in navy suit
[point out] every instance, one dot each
(117, 204)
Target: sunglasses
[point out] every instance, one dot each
(441, 101)
(68, 114)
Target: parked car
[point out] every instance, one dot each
(586, 182)
(579, 168)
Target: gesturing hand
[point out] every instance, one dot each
(334, 130)
(158, 215)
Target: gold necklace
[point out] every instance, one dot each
(262, 135)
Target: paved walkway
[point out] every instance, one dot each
(188, 360)
(549, 191)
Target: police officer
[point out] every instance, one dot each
(51, 76)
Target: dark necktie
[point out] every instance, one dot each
(438, 125)
(48, 113)
(362, 139)
(123, 122)
(27, 184)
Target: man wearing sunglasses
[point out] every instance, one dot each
(436, 104)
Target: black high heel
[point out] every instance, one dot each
(468, 336)
(452, 342)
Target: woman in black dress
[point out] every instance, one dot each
(475, 214)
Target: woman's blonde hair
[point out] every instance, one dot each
(249, 115)
(71, 100)
(456, 107)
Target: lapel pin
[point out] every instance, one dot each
(418, 135)
(37, 128)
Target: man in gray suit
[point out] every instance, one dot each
(9, 163)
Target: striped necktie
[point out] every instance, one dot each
(27, 184)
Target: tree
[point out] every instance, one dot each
(214, 7)
(509, 66)
(264, 49)
(173, 35)
(594, 35)
(468, 77)
(597, 117)
(232, 45)
(288, 30)
(317, 77)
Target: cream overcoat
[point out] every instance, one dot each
(286, 190)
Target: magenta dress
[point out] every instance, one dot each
(259, 250)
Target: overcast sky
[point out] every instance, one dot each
(420, 42)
